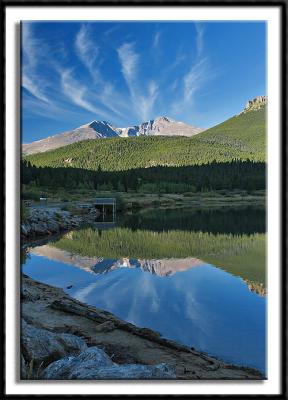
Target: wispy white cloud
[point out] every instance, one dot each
(111, 99)
(78, 93)
(199, 38)
(84, 94)
(32, 52)
(142, 98)
(111, 30)
(196, 77)
(89, 54)
(180, 58)
(86, 82)
(129, 61)
(87, 50)
(146, 103)
(29, 45)
(174, 85)
(50, 110)
(156, 39)
(29, 84)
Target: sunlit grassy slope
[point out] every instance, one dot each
(245, 132)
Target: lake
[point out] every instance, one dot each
(197, 277)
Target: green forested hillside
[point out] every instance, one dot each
(245, 132)
(241, 137)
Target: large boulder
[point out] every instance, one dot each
(43, 346)
(94, 363)
(91, 359)
(53, 226)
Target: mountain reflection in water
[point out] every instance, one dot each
(164, 267)
(201, 289)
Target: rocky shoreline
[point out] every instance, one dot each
(63, 338)
(44, 221)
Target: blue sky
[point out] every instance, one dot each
(125, 73)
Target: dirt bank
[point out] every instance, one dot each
(49, 308)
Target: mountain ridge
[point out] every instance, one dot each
(160, 126)
(241, 137)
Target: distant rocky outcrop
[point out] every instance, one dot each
(256, 287)
(102, 129)
(255, 104)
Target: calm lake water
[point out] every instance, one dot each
(195, 277)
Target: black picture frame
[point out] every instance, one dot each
(283, 195)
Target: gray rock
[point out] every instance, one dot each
(42, 225)
(256, 103)
(128, 371)
(40, 228)
(60, 369)
(28, 227)
(28, 295)
(91, 359)
(52, 226)
(23, 368)
(97, 355)
(24, 230)
(94, 363)
(107, 326)
(43, 346)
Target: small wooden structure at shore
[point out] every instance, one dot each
(105, 205)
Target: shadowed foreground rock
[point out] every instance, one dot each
(63, 338)
(42, 346)
(95, 364)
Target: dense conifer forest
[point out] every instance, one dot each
(247, 175)
(230, 155)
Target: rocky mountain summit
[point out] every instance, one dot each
(93, 130)
(256, 103)
(161, 126)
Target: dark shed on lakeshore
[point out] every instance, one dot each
(105, 204)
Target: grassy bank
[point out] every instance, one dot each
(135, 200)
